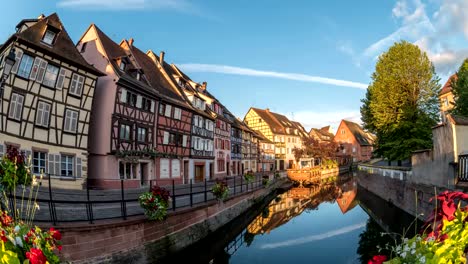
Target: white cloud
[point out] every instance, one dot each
(439, 34)
(193, 67)
(308, 239)
(125, 4)
(318, 119)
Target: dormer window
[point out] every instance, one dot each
(138, 76)
(49, 37)
(122, 65)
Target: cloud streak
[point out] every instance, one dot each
(180, 5)
(225, 69)
(308, 239)
(318, 119)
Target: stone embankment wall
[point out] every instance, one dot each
(403, 193)
(141, 241)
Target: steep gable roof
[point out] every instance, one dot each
(447, 88)
(63, 47)
(271, 121)
(359, 134)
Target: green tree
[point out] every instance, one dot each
(401, 103)
(460, 90)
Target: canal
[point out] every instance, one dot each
(332, 222)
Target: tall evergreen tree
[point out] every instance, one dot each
(460, 90)
(401, 103)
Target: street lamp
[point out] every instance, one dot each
(9, 62)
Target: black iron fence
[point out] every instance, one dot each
(64, 205)
(463, 168)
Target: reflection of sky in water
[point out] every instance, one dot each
(319, 236)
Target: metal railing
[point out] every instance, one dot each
(64, 205)
(392, 172)
(463, 168)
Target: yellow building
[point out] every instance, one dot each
(446, 95)
(286, 134)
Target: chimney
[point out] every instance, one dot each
(268, 109)
(203, 86)
(161, 57)
(41, 17)
(130, 41)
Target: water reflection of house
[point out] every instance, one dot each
(290, 205)
(347, 200)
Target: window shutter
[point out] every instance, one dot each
(19, 107)
(138, 102)
(35, 68)
(61, 79)
(51, 164)
(164, 168)
(57, 165)
(168, 111)
(41, 71)
(2, 150)
(184, 140)
(78, 167)
(166, 137)
(19, 54)
(123, 96)
(175, 168)
(80, 85)
(152, 106)
(28, 154)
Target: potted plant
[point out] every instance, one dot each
(220, 190)
(155, 203)
(249, 177)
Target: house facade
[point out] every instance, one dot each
(321, 134)
(277, 128)
(222, 142)
(266, 153)
(354, 141)
(123, 128)
(202, 154)
(446, 96)
(47, 100)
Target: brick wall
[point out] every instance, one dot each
(136, 240)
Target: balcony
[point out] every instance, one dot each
(201, 153)
(280, 144)
(236, 140)
(199, 131)
(236, 155)
(221, 132)
(280, 156)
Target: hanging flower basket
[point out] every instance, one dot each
(155, 203)
(220, 190)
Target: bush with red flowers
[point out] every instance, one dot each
(20, 241)
(155, 203)
(14, 170)
(444, 236)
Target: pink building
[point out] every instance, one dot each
(123, 124)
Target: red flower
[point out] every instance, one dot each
(59, 247)
(377, 259)
(3, 237)
(36, 256)
(6, 219)
(55, 234)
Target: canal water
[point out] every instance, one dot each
(331, 222)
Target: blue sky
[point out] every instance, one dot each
(309, 60)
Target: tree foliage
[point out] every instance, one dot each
(313, 148)
(401, 103)
(460, 90)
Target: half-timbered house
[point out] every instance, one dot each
(201, 162)
(47, 100)
(124, 117)
(175, 116)
(236, 145)
(222, 140)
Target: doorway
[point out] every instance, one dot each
(144, 179)
(199, 173)
(186, 171)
